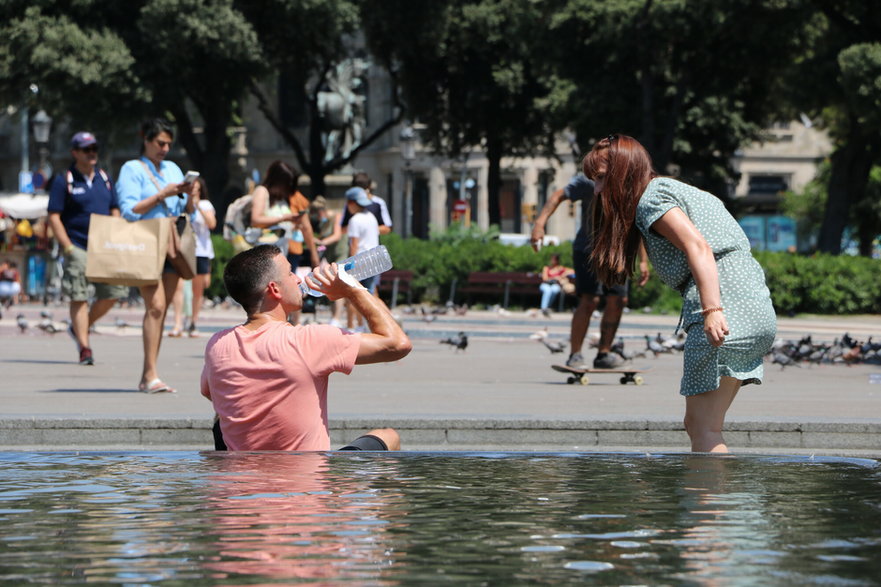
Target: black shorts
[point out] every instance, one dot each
(586, 281)
(366, 442)
(203, 266)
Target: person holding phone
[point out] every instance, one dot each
(151, 187)
(271, 209)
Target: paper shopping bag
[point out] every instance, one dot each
(182, 247)
(126, 253)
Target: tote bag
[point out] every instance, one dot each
(182, 247)
(126, 253)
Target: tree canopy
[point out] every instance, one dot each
(472, 72)
(693, 80)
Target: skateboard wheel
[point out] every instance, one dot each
(583, 380)
(638, 380)
(570, 380)
(623, 380)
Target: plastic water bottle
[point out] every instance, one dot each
(361, 266)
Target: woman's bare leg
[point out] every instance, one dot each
(200, 284)
(705, 416)
(156, 301)
(177, 305)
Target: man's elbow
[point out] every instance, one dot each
(401, 348)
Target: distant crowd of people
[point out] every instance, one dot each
(268, 377)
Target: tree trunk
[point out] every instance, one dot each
(851, 164)
(646, 79)
(494, 179)
(211, 159)
(315, 167)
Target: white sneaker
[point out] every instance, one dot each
(335, 322)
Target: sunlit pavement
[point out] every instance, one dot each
(499, 394)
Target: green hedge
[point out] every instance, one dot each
(823, 284)
(820, 284)
(435, 263)
(223, 252)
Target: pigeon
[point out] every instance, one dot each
(22, 323)
(460, 343)
(46, 324)
(675, 342)
(783, 360)
(539, 334)
(618, 349)
(556, 346)
(426, 317)
(654, 346)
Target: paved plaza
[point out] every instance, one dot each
(499, 394)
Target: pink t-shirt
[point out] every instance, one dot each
(269, 386)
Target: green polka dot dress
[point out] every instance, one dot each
(745, 297)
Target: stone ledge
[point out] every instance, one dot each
(449, 435)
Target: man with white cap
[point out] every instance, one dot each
(85, 189)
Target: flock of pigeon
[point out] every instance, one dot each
(843, 351)
(786, 353)
(49, 326)
(46, 324)
(654, 346)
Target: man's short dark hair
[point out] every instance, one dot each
(247, 275)
(361, 180)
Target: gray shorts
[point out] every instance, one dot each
(75, 285)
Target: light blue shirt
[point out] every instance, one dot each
(134, 184)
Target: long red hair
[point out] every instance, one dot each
(627, 169)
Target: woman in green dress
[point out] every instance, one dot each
(699, 249)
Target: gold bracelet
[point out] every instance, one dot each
(706, 311)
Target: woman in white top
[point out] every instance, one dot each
(203, 219)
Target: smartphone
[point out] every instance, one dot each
(191, 176)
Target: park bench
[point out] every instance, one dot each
(396, 281)
(503, 283)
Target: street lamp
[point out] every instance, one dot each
(408, 153)
(42, 125)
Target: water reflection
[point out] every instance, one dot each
(297, 517)
(718, 522)
(493, 518)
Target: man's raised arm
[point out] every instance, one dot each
(386, 341)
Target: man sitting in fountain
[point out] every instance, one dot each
(268, 379)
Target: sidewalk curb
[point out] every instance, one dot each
(822, 438)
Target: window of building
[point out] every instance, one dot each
(768, 184)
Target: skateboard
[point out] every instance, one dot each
(581, 375)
